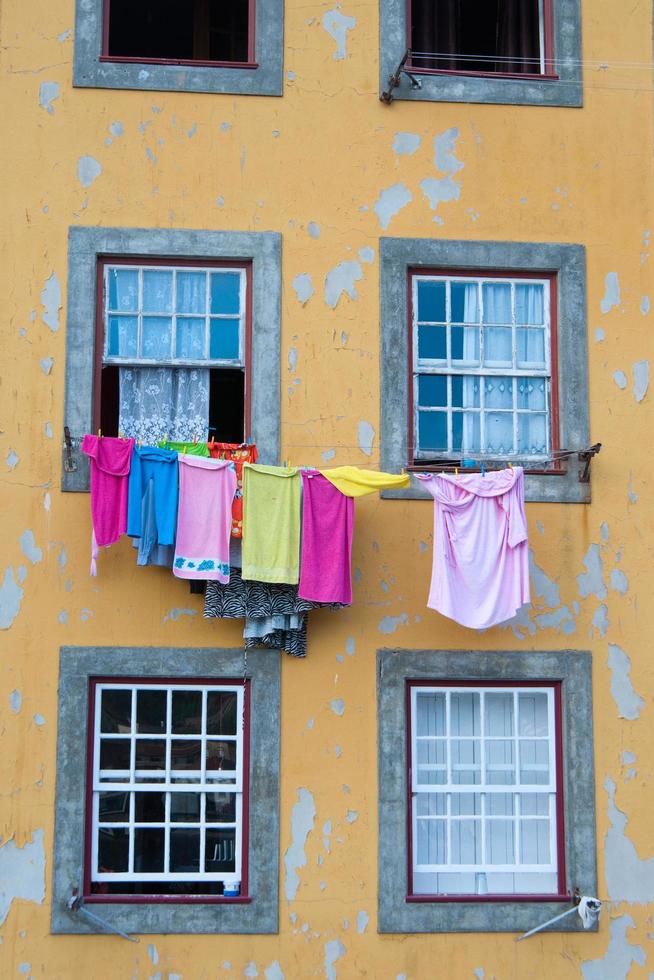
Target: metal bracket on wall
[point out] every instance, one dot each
(585, 456)
(69, 463)
(76, 904)
(394, 80)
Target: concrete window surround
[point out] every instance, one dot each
(397, 255)
(84, 247)
(266, 79)
(394, 667)
(564, 91)
(77, 664)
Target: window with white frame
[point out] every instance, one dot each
(484, 371)
(485, 801)
(174, 350)
(167, 811)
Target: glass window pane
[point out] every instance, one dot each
(464, 755)
(150, 753)
(532, 393)
(191, 292)
(465, 345)
(498, 714)
(464, 302)
(499, 804)
(532, 714)
(220, 850)
(430, 710)
(116, 711)
(184, 849)
(466, 437)
(500, 762)
(534, 842)
(149, 807)
(432, 842)
(185, 754)
(123, 290)
(497, 346)
(224, 340)
(530, 348)
(431, 752)
(432, 343)
(157, 291)
(149, 850)
(464, 713)
(431, 804)
(190, 338)
(466, 805)
(221, 755)
(532, 434)
(499, 433)
(534, 762)
(113, 849)
(431, 302)
(432, 431)
(114, 753)
(465, 391)
(432, 390)
(500, 845)
(187, 712)
(114, 807)
(220, 808)
(156, 338)
(221, 713)
(185, 807)
(497, 302)
(466, 841)
(225, 292)
(498, 392)
(150, 712)
(529, 303)
(534, 804)
(123, 336)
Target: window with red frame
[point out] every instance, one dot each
(186, 31)
(496, 37)
(172, 349)
(483, 362)
(485, 790)
(167, 789)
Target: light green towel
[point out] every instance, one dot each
(192, 448)
(271, 523)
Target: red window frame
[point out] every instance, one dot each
(556, 469)
(105, 260)
(90, 896)
(122, 59)
(548, 59)
(561, 895)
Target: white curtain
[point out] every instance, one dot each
(158, 401)
(470, 439)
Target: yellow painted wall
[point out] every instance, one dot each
(323, 153)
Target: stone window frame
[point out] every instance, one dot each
(265, 79)
(568, 262)
(86, 244)
(573, 668)
(565, 90)
(258, 915)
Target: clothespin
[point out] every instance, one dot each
(510, 465)
(99, 433)
(456, 470)
(140, 443)
(483, 470)
(121, 434)
(195, 440)
(166, 438)
(184, 451)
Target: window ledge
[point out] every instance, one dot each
(556, 488)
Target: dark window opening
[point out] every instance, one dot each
(179, 30)
(496, 36)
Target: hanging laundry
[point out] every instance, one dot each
(271, 523)
(239, 453)
(186, 448)
(148, 551)
(480, 572)
(152, 505)
(355, 482)
(206, 491)
(109, 462)
(327, 528)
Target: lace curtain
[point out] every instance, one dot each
(155, 401)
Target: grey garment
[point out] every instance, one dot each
(163, 403)
(263, 625)
(149, 552)
(236, 552)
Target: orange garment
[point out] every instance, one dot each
(239, 453)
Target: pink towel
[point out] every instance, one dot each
(110, 462)
(204, 518)
(327, 526)
(480, 572)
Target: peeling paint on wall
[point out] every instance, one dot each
(337, 25)
(22, 873)
(174, 614)
(117, 129)
(620, 379)
(629, 703)
(619, 581)
(314, 229)
(29, 548)
(367, 254)
(46, 364)
(303, 287)
(48, 92)
(362, 921)
(617, 961)
(406, 144)
(274, 971)
(88, 170)
(600, 620)
(334, 950)
(445, 188)
(302, 821)
(644, 305)
(15, 701)
(611, 296)
(640, 374)
(337, 706)
(11, 596)
(390, 623)
(591, 582)
(390, 202)
(365, 437)
(341, 279)
(51, 302)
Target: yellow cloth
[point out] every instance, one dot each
(354, 482)
(271, 523)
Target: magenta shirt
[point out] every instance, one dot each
(204, 518)
(327, 527)
(480, 571)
